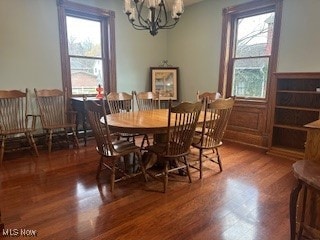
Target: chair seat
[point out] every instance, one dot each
(16, 131)
(196, 141)
(66, 125)
(121, 147)
(158, 149)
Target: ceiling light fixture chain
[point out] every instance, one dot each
(156, 16)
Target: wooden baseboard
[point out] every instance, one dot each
(286, 153)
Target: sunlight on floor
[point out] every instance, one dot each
(243, 213)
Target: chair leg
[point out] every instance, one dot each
(303, 212)
(113, 175)
(166, 176)
(218, 159)
(3, 138)
(139, 156)
(75, 139)
(293, 209)
(187, 168)
(200, 162)
(148, 142)
(49, 141)
(32, 143)
(99, 167)
(66, 136)
(145, 139)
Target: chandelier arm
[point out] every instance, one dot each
(144, 24)
(137, 27)
(171, 25)
(165, 17)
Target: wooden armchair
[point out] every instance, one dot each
(14, 118)
(182, 120)
(55, 117)
(216, 117)
(114, 153)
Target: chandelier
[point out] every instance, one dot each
(156, 16)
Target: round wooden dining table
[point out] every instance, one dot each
(144, 122)
(150, 121)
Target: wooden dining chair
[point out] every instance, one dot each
(182, 120)
(114, 152)
(120, 102)
(208, 97)
(217, 114)
(55, 117)
(14, 118)
(146, 101)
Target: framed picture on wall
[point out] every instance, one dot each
(165, 81)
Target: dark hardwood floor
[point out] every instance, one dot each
(58, 197)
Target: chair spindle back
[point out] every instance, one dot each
(120, 102)
(182, 123)
(13, 110)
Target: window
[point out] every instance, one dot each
(248, 51)
(87, 48)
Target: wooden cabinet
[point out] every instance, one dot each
(297, 102)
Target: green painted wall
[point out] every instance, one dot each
(194, 46)
(29, 44)
(299, 48)
(30, 52)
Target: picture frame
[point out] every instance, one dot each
(165, 81)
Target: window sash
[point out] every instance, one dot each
(230, 14)
(67, 8)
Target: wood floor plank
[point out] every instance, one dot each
(59, 196)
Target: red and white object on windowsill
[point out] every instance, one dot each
(100, 92)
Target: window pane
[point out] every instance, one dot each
(250, 77)
(86, 75)
(254, 35)
(84, 37)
